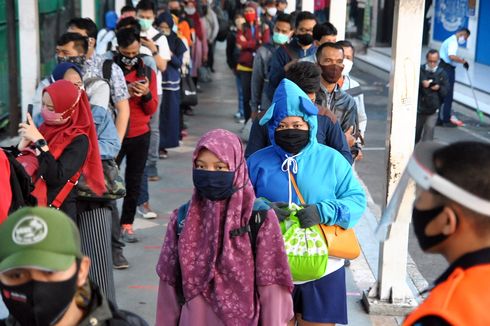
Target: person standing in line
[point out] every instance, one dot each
(248, 39)
(449, 59)
(208, 258)
(300, 46)
(144, 103)
(283, 30)
(170, 113)
(232, 54)
(212, 29)
(154, 44)
(322, 33)
(106, 35)
(432, 90)
(451, 217)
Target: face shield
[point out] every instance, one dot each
(421, 171)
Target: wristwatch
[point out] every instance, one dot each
(40, 143)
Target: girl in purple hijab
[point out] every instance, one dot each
(208, 263)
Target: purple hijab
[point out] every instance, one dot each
(213, 264)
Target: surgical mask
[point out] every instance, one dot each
(52, 118)
(175, 29)
(304, 39)
(420, 220)
(461, 40)
(292, 140)
(128, 61)
(250, 17)
(214, 185)
(243, 2)
(38, 303)
(145, 23)
(429, 69)
(190, 10)
(331, 73)
(78, 60)
(347, 67)
(272, 11)
(279, 38)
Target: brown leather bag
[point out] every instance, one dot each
(341, 243)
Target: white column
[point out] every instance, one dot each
(307, 5)
(30, 67)
(291, 6)
(118, 5)
(88, 9)
(392, 287)
(338, 16)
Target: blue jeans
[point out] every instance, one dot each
(239, 90)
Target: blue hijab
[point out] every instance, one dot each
(60, 70)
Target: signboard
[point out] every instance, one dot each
(450, 15)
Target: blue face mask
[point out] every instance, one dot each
(214, 185)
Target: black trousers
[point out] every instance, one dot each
(246, 77)
(136, 152)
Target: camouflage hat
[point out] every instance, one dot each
(38, 237)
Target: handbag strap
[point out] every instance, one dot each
(65, 191)
(296, 188)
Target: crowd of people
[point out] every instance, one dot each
(230, 254)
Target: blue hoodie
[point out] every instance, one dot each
(323, 175)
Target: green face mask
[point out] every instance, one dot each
(279, 38)
(145, 24)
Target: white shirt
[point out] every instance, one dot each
(163, 51)
(449, 47)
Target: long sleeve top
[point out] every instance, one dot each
(260, 76)
(248, 40)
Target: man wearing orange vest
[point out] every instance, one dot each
(451, 217)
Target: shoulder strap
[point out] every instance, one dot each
(258, 218)
(65, 191)
(298, 193)
(181, 215)
(148, 72)
(157, 36)
(107, 69)
(292, 55)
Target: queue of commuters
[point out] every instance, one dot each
(115, 96)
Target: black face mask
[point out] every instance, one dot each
(77, 60)
(176, 12)
(420, 220)
(39, 303)
(292, 140)
(214, 185)
(304, 39)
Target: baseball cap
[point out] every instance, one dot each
(38, 237)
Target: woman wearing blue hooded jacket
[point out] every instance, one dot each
(332, 194)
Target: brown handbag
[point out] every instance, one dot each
(341, 243)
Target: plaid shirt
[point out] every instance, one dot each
(93, 68)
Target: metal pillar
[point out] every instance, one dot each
(391, 295)
(338, 16)
(14, 109)
(29, 46)
(88, 9)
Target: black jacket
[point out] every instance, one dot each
(430, 101)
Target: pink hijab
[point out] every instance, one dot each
(212, 263)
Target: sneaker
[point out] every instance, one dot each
(455, 121)
(163, 154)
(127, 233)
(145, 211)
(119, 261)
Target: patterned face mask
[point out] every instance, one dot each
(77, 60)
(129, 61)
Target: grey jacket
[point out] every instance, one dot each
(260, 79)
(342, 105)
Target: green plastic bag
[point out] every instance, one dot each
(306, 249)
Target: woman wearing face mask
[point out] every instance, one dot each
(332, 194)
(65, 144)
(200, 45)
(248, 39)
(170, 113)
(208, 259)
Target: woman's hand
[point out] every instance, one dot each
(28, 131)
(23, 144)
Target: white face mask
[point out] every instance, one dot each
(461, 40)
(190, 10)
(347, 67)
(272, 11)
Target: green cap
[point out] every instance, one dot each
(38, 237)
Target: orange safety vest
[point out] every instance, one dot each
(463, 299)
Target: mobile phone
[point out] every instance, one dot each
(30, 107)
(432, 84)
